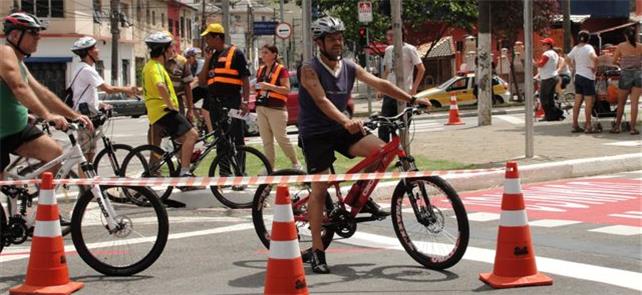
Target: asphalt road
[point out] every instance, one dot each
(586, 234)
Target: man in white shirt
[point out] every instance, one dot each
(410, 62)
(548, 80)
(85, 84)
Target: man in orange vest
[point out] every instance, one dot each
(226, 75)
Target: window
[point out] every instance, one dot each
(139, 11)
(189, 28)
(126, 79)
(100, 68)
(182, 27)
(460, 84)
(98, 11)
(176, 31)
(170, 24)
(162, 20)
(44, 8)
(147, 17)
(153, 18)
(124, 15)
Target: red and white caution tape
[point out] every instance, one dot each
(250, 180)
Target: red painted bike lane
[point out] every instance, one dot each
(589, 200)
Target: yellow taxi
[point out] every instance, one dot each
(463, 85)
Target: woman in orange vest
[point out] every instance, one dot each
(272, 88)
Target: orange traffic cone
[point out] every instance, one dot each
(539, 113)
(515, 257)
(453, 114)
(47, 272)
(285, 274)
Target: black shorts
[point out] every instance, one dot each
(199, 93)
(319, 149)
(565, 80)
(10, 143)
(173, 125)
(584, 86)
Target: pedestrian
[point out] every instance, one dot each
(563, 73)
(628, 55)
(226, 75)
(162, 103)
(181, 76)
(547, 65)
(85, 86)
(195, 65)
(583, 61)
(273, 87)
(410, 62)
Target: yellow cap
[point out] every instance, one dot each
(213, 28)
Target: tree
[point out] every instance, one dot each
(447, 13)
(507, 22)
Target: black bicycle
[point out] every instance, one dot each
(234, 160)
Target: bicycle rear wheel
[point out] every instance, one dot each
(108, 163)
(134, 246)
(148, 161)
(3, 227)
(430, 221)
(262, 211)
(247, 161)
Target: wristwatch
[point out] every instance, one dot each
(413, 99)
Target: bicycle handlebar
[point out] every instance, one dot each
(396, 122)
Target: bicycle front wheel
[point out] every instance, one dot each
(3, 227)
(148, 161)
(430, 221)
(133, 246)
(109, 163)
(263, 213)
(247, 161)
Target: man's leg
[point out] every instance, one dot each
(43, 148)
(547, 97)
(188, 141)
(316, 206)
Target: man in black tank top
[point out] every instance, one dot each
(327, 82)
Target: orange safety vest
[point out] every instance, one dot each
(222, 72)
(274, 79)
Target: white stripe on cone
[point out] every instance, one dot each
(283, 213)
(47, 197)
(513, 218)
(285, 249)
(47, 229)
(512, 186)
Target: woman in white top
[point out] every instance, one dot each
(563, 73)
(628, 55)
(583, 61)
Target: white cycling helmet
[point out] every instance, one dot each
(82, 44)
(326, 25)
(192, 51)
(158, 39)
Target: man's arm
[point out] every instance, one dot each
(421, 70)
(130, 91)
(202, 76)
(382, 85)
(165, 96)
(56, 105)
(310, 81)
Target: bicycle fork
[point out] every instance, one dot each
(105, 204)
(425, 216)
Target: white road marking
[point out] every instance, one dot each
(581, 271)
(483, 216)
(627, 143)
(629, 214)
(552, 222)
(511, 119)
(620, 230)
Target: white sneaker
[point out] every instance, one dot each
(297, 167)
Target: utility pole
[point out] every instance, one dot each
(250, 32)
(566, 11)
(226, 20)
(115, 36)
(528, 76)
(284, 49)
(306, 8)
(484, 66)
(203, 24)
(395, 8)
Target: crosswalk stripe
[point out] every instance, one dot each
(621, 230)
(552, 222)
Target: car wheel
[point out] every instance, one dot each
(435, 103)
(136, 116)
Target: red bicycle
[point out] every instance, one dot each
(428, 217)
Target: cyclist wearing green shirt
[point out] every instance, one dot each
(162, 103)
(21, 93)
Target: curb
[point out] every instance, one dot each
(444, 115)
(532, 173)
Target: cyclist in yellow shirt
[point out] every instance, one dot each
(161, 101)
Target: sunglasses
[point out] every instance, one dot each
(33, 32)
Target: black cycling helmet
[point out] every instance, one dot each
(21, 21)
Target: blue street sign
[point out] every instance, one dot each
(264, 28)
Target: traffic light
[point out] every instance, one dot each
(362, 36)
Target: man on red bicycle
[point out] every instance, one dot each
(324, 128)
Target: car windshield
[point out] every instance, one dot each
(447, 83)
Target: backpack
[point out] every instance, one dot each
(69, 94)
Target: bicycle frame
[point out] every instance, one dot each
(70, 157)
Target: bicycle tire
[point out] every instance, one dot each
(107, 267)
(105, 166)
(142, 169)
(259, 203)
(252, 167)
(3, 226)
(413, 247)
